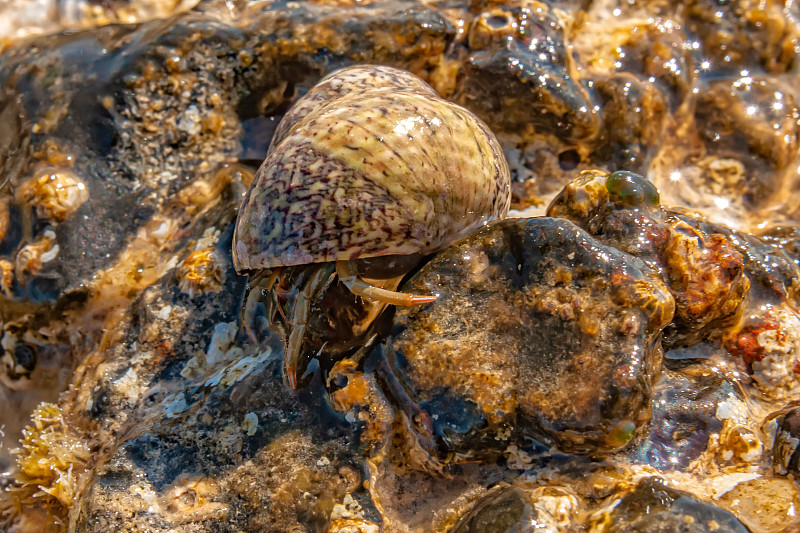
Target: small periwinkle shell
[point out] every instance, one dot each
(54, 193)
(629, 188)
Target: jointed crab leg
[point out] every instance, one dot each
(293, 360)
(294, 344)
(349, 276)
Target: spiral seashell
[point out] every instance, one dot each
(370, 162)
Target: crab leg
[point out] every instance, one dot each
(292, 358)
(294, 361)
(250, 299)
(349, 276)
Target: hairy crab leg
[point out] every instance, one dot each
(348, 274)
(293, 361)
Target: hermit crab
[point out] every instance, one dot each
(367, 174)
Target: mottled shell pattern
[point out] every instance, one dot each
(370, 162)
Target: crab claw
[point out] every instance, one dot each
(291, 380)
(349, 276)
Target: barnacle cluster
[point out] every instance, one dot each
(50, 460)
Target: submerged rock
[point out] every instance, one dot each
(195, 422)
(744, 34)
(655, 506)
(684, 418)
(511, 509)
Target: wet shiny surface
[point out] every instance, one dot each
(150, 406)
(366, 169)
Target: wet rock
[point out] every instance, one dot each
(703, 56)
(684, 418)
(425, 501)
(752, 121)
(783, 237)
(729, 287)
(703, 269)
(509, 509)
(742, 117)
(773, 270)
(186, 422)
(655, 506)
(518, 75)
(764, 504)
(288, 484)
(14, 140)
(481, 368)
(766, 342)
(765, 339)
(634, 111)
(23, 20)
(660, 57)
(743, 34)
(736, 162)
(706, 276)
(196, 422)
(60, 106)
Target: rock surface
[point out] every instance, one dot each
(654, 506)
(482, 363)
(534, 389)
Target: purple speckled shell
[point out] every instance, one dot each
(370, 162)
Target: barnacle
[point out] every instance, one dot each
(54, 193)
(49, 462)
